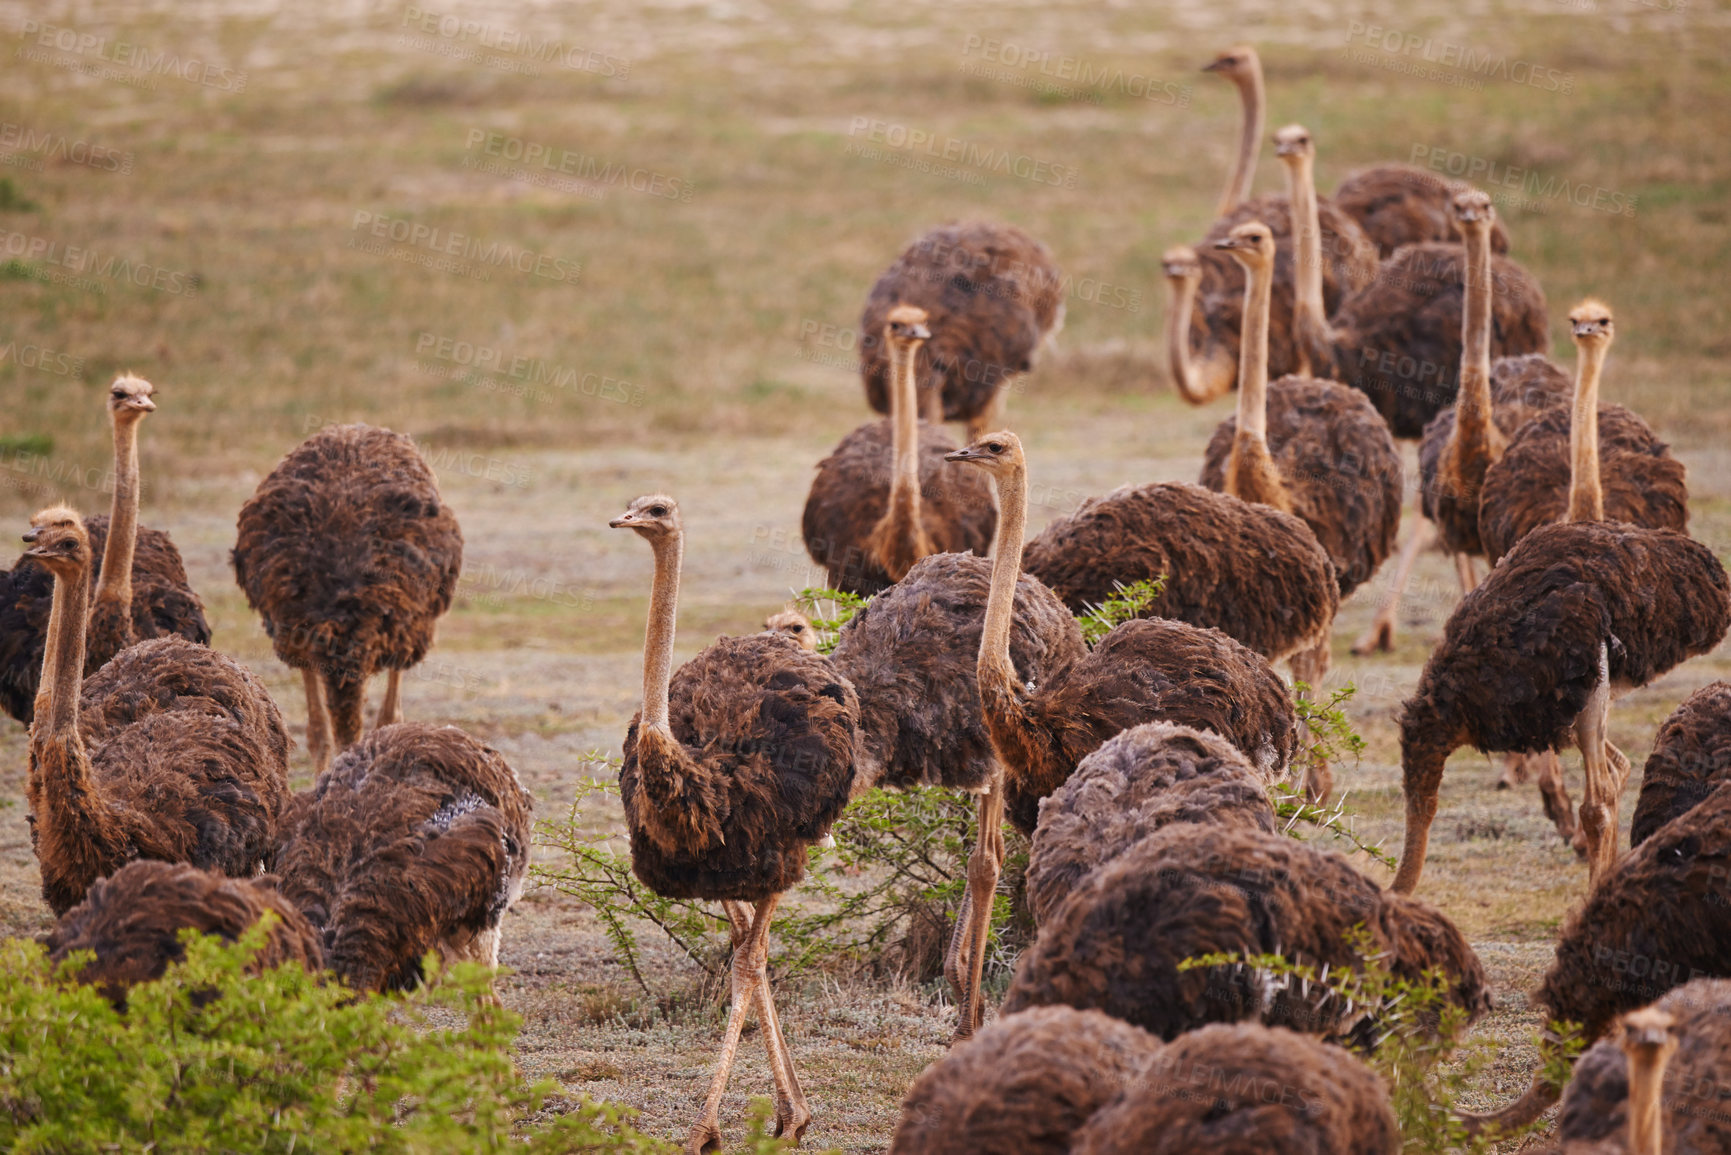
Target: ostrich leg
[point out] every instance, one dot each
(320, 738)
(1380, 633)
(1311, 667)
(792, 1116)
(1599, 806)
(1464, 571)
(974, 920)
(749, 972)
(1555, 795)
(390, 709)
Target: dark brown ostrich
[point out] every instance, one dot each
(1653, 923)
(1639, 481)
(1187, 890)
(992, 293)
(350, 557)
(131, 921)
(882, 499)
(171, 751)
(1691, 756)
(141, 589)
(416, 839)
(911, 654)
(1246, 1090)
(1024, 1086)
(1398, 204)
(738, 763)
(1139, 781)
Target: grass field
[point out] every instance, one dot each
(634, 263)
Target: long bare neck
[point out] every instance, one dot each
(1249, 141)
(1586, 496)
(1197, 385)
(1253, 353)
(658, 638)
(1646, 1101)
(63, 661)
(116, 584)
(1474, 428)
(995, 668)
(1310, 315)
(903, 513)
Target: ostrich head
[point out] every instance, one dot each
(1237, 64)
(1180, 263)
(1648, 1032)
(652, 516)
(58, 540)
(906, 325)
(1473, 209)
(1293, 143)
(795, 625)
(996, 453)
(1251, 244)
(129, 398)
(1590, 323)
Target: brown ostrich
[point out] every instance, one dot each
(1241, 66)
(170, 752)
(738, 763)
(1187, 890)
(1139, 781)
(131, 921)
(882, 499)
(141, 590)
(1691, 756)
(911, 654)
(992, 294)
(350, 557)
(1398, 204)
(1653, 923)
(795, 625)
(1024, 1086)
(1246, 1090)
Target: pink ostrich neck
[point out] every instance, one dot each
(1250, 96)
(1586, 494)
(1178, 341)
(1251, 474)
(658, 638)
(1310, 314)
(63, 665)
(1476, 436)
(116, 583)
(903, 514)
(995, 667)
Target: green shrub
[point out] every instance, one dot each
(1126, 604)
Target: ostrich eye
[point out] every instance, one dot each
(994, 447)
(658, 511)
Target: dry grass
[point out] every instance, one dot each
(712, 311)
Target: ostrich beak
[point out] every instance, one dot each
(623, 521)
(1226, 243)
(142, 404)
(966, 453)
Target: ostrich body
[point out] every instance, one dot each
(882, 499)
(1691, 756)
(141, 588)
(1024, 1086)
(1398, 204)
(992, 293)
(910, 653)
(417, 838)
(1246, 1090)
(1145, 778)
(170, 752)
(736, 766)
(131, 921)
(350, 557)
(1115, 943)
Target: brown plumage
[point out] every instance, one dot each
(1691, 756)
(1024, 1086)
(171, 751)
(1141, 780)
(736, 765)
(416, 839)
(1115, 944)
(1246, 1090)
(1573, 615)
(350, 557)
(883, 499)
(1210, 548)
(992, 293)
(131, 921)
(1398, 204)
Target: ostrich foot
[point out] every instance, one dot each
(705, 1137)
(1555, 798)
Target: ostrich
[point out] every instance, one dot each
(171, 751)
(911, 655)
(350, 557)
(1568, 620)
(416, 838)
(1691, 756)
(737, 764)
(1243, 68)
(141, 591)
(1024, 1086)
(882, 499)
(1654, 922)
(131, 921)
(993, 295)
(1246, 1090)
(1115, 944)
(795, 625)
(1139, 781)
